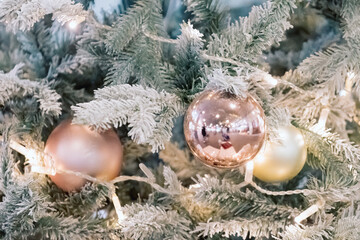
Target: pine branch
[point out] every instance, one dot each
(136, 58)
(143, 16)
(307, 101)
(335, 188)
(189, 66)
(182, 163)
(13, 86)
(350, 13)
(347, 226)
(247, 38)
(171, 181)
(220, 80)
(319, 231)
(330, 66)
(23, 14)
(21, 207)
(48, 50)
(257, 227)
(210, 16)
(139, 63)
(53, 226)
(278, 117)
(148, 113)
(6, 167)
(154, 222)
(234, 202)
(247, 80)
(77, 204)
(329, 147)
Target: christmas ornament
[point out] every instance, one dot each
(280, 161)
(78, 148)
(224, 130)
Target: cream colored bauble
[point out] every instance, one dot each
(281, 161)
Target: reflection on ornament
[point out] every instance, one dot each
(281, 161)
(224, 130)
(78, 148)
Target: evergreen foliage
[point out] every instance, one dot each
(126, 73)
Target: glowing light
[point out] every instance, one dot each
(350, 75)
(195, 186)
(343, 93)
(217, 115)
(33, 157)
(120, 214)
(73, 24)
(270, 80)
(307, 213)
(232, 105)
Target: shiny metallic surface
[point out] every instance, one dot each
(281, 161)
(78, 148)
(224, 130)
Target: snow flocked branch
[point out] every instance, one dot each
(249, 36)
(188, 71)
(12, 86)
(134, 57)
(147, 112)
(154, 222)
(332, 65)
(23, 14)
(210, 16)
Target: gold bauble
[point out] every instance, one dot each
(224, 130)
(80, 149)
(281, 161)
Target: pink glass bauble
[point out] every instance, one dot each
(224, 130)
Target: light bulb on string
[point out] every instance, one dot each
(350, 75)
(348, 84)
(309, 211)
(34, 158)
(73, 24)
(117, 205)
(270, 80)
(343, 93)
(321, 125)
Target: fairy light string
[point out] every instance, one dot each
(35, 159)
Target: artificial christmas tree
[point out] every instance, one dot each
(136, 69)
